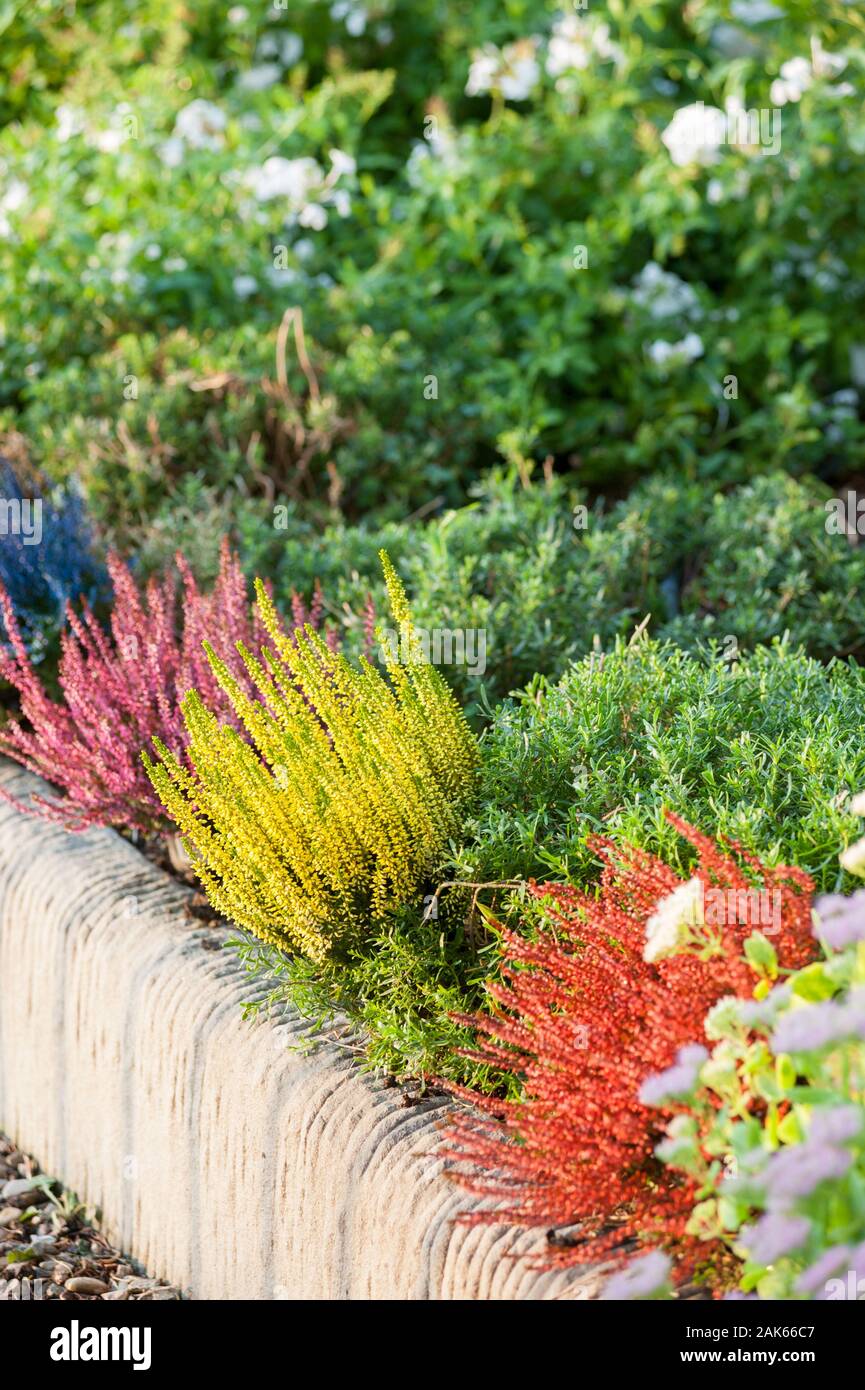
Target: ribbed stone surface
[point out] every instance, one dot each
(231, 1163)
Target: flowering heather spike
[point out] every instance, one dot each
(583, 1019)
(122, 688)
(344, 802)
(42, 578)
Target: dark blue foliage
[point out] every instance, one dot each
(46, 557)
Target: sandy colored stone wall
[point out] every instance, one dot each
(230, 1162)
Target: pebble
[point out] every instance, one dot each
(16, 1187)
(8, 1215)
(61, 1271)
(82, 1283)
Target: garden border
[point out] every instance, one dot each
(226, 1159)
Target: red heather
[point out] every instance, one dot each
(582, 1020)
(122, 686)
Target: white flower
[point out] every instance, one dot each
(695, 134)
(171, 151)
(353, 15)
(173, 264)
(342, 163)
(714, 191)
(513, 70)
(570, 45)
(341, 201)
(106, 141)
(14, 195)
(70, 121)
(670, 924)
(857, 802)
(153, 251)
(304, 248)
(853, 858)
(663, 293)
(285, 178)
(258, 79)
(688, 349)
(312, 215)
(795, 79)
(245, 285)
(238, 14)
(200, 125)
(290, 49)
(755, 11)
(574, 41)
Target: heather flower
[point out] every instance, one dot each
(775, 1235)
(122, 687)
(671, 925)
(795, 1172)
(838, 920)
(677, 1082)
(44, 568)
(580, 1144)
(647, 1277)
(829, 1263)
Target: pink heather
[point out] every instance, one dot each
(123, 686)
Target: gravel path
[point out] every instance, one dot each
(50, 1246)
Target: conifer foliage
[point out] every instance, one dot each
(343, 799)
(122, 687)
(583, 1019)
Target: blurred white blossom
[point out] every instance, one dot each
(513, 71)
(201, 124)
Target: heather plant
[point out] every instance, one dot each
(47, 557)
(343, 801)
(123, 685)
(587, 1009)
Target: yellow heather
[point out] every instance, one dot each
(344, 798)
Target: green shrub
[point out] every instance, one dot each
(761, 750)
(708, 323)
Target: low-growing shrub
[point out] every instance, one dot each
(345, 799)
(762, 749)
(47, 557)
(122, 687)
(588, 1009)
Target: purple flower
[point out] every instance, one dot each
(817, 1026)
(774, 1235)
(836, 1124)
(642, 1279)
(841, 920)
(678, 1080)
(796, 1171)
(829, 1263)
(757, 1013)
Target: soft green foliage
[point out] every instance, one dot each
(760, 750)
(338, 809)
(452, 251)
(740, 567)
